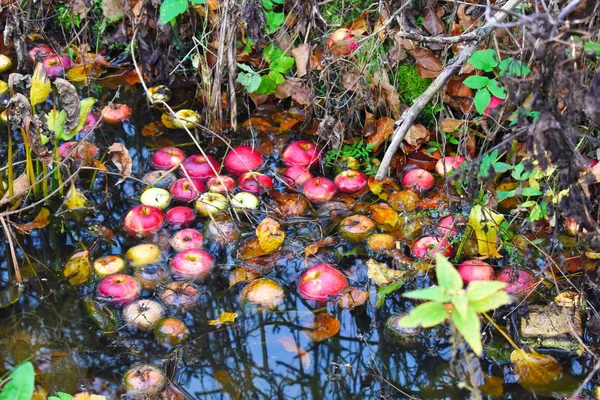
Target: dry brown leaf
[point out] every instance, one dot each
(113, 9)
(322, 327)
(153, 129)
(251, 249)
(351, 81)
(417, 135)
(79, 8)
(121, 159)
(290, 345)
(385, 127)
(534, 368)
(314, 248)
(270, 235)
(450, 125)
(428, 64)
(466, 21)
(69, 101)
(302, 56)
(21, 187)
(294, 89)
(381, 274)
(392, 99)
(432, 21)
(353, 298)
(40, 221)
(293, 204)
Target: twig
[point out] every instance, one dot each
(11, 246)
(409, 116)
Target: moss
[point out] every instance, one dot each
(410, 85)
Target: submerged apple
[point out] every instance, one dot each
(192, 264)
(171, 331)
(143, 314)
(108, 265)
(211, 203)
(201, 167)
(186, 239)
(186, 190)
(144, 220)
(220, 184)
(156, 197)
(143, 254)
(119, 289)
(296, 175)
(320, 282)
(264, 292)
(180, 216)
(151, 275)
(519, 282)
(144, 382)
(319, 189)
(475, 270)
(357, 228)
(182, 294)
(242, 159)
(351, 181)
(255, 182)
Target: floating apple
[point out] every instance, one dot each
(119, 289)
(171, 331)
(211, 203)
(357, 228)
(445, 166)
(242, 159)
(156, 197)
(186, 239)
(159, 93)
(143, 382)
(319, 189)
(201, 167)
(41, 51)
(143, 254)
(151, 275)
(351, 181)
(244, 201)
(161, 179)
(519, 282)
(143, 314)
(342, 42)
(381, 241)
(427, 247)
(55, 66)
(320, 282)
(186, 190)
(91, 123)
(78, 150)
(475, 270)
(296, 175)
(186, 119)
(301, 153)
(167, 157)
(222, 232)
(144, 220)
(116, 114)
(418, 179)
(220, 184)
(108, 265)
(180, 216)
(192, 264)
(264, 292)
(182, 294)
(403, 200)
(255, 182)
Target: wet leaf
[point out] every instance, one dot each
(385, 127)
(322, 327)
(56, 122)
(290, 345)
(383, 188)
(228, 383)
(121, 159)
(450, 125)
(428, 64)
(74, 199)
(153, 129)
(10, 295)
(251, 249)
(85, 107)
(224, 318)
(381, 274)
(102, 315)
(113, 9)
(314, 248)
(21, 187)
(40, 221)
(242, 275)
(353, 298)
(40, 85)
(534, 368)
(270, 235)
(21, 384)
(486, 224)
(417, 135)
(80, 73)
(69, 101)
(384, 215)
(78, 269)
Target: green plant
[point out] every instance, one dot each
(21, 384)
(266, 81)
(450, 138)
(449, 300)
(66, 18)
(274, 19)
(358, 150)
(61, 396)
(410, 86)
(171, 9)
(487, 62)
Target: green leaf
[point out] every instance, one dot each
(243, 79)
(528, 191)
(510, 66)
(245, 67)
(491, 302)
(425, 315)
(477, 290)
(277, 78)
(461, 304)
(170, 9)
(484, 60)
(198, 2)
(447, 276)
(271, 53)
(282, 64)
(274, 21)
(254, 83)
(385, 290)
(267, 86)
(85, 107)
(501, 167)
(496, 90)
(435, 293)
(502, 195)
(55, 120)
(267, 4)
(61, 396)
(469, 326)
(482, 100)
(21, 383)
(476, 81)
(529, 203)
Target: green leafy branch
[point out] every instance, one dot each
(266, 83)
(449, 301)
(357, 150)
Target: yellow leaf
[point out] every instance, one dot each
(80, 73)
(534, 368)
(381, 274)
(77, 268)
(224, 318)
(74, 199)
(270, 235)
(40, 221)
(40, 85)
(486, 224)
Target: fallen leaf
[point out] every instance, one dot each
(79, 8)
(40, 221)
(290, 345)
(432, 21)
(314, 248)
(534, 368)
(251, 249)
(353, 298)
(87, 396)
(77, 269)
(40, 85)
(294, 89)
(20, 187)
(351, 81)
(381, 274)
(70, 103)
(384, 215)
(80, 73)
(292, 204)
(385, 127)
(113, 9)
(428, 64)
(242, 275)
(392, 98)
(450, 125)
(74, 199)
(270, 235)
(417, 135)
(153, 129)
(302, 56)
(121, 159)
(224, 318)
(486, 224)
(383, 188)
(322, 327)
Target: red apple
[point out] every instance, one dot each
(357, 228)
(186, 190)
(427, 247)
(144, 220)
(167, 157)
(342, 42)
(186, 239)
(55, 66)
(171, 331)
(78, 150)
(296, 175)
(242, 159)
(192, 264)
(220, 184)
(255, 182)
(41, 51)
(445, 166)
(116, 114)
(351, 181)
(119, 289)
(418, 179)
(201, 167)
(302, 153)
(143, 382)
(264, 292)
(180, 216)
(152, 275)
(91, 123)
(494, 103)
(319, 189)
(475, 270)
(519, 282)
(143, 314)
(182, 294)
(445, 227)
(320, 282)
